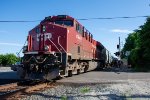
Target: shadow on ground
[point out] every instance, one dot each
(8, 77)
(71, 96)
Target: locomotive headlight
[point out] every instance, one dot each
(44, 28)
(46, 48)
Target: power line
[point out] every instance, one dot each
(98, 18)
(114, 17)
(6, 21)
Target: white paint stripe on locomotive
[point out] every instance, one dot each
(31, 53)
(69, 54)
(45, 53)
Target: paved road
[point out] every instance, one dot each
(115, 75)
(7, 75)
(103, 76)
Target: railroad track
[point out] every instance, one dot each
(19, 90)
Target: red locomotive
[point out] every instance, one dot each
(60, 46)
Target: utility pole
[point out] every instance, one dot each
(119, 50)
(118, 53)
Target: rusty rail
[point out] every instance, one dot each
(2, 87)
(21, 91)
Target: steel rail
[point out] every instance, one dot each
(19, 91)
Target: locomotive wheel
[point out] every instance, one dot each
(85, 69)
(78, 71)
(69, 73)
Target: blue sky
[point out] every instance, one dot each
(13, 35)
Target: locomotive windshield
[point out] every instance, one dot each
(64, 22)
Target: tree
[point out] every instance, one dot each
(130, 44)
(138, 43)
(1, 58)
(8, 59)
(11, 59)
(144, 36)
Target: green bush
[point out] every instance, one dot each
(8, 59)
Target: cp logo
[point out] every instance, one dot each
(46, 36)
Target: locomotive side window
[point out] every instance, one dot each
(79, 28)
(64, 22)
(86, 36)
(83, 32)
(91, 38)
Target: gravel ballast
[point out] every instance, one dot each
(130, 90)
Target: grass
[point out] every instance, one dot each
(128, 94)
(84, 89)
(63, 97)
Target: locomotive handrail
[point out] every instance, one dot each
(56, 48)
(60, 44)
(28, 59)
(36, 60)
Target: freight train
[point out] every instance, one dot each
(61, 46)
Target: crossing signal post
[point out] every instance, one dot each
(118, 46)
(118, 54)
(119, 49)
